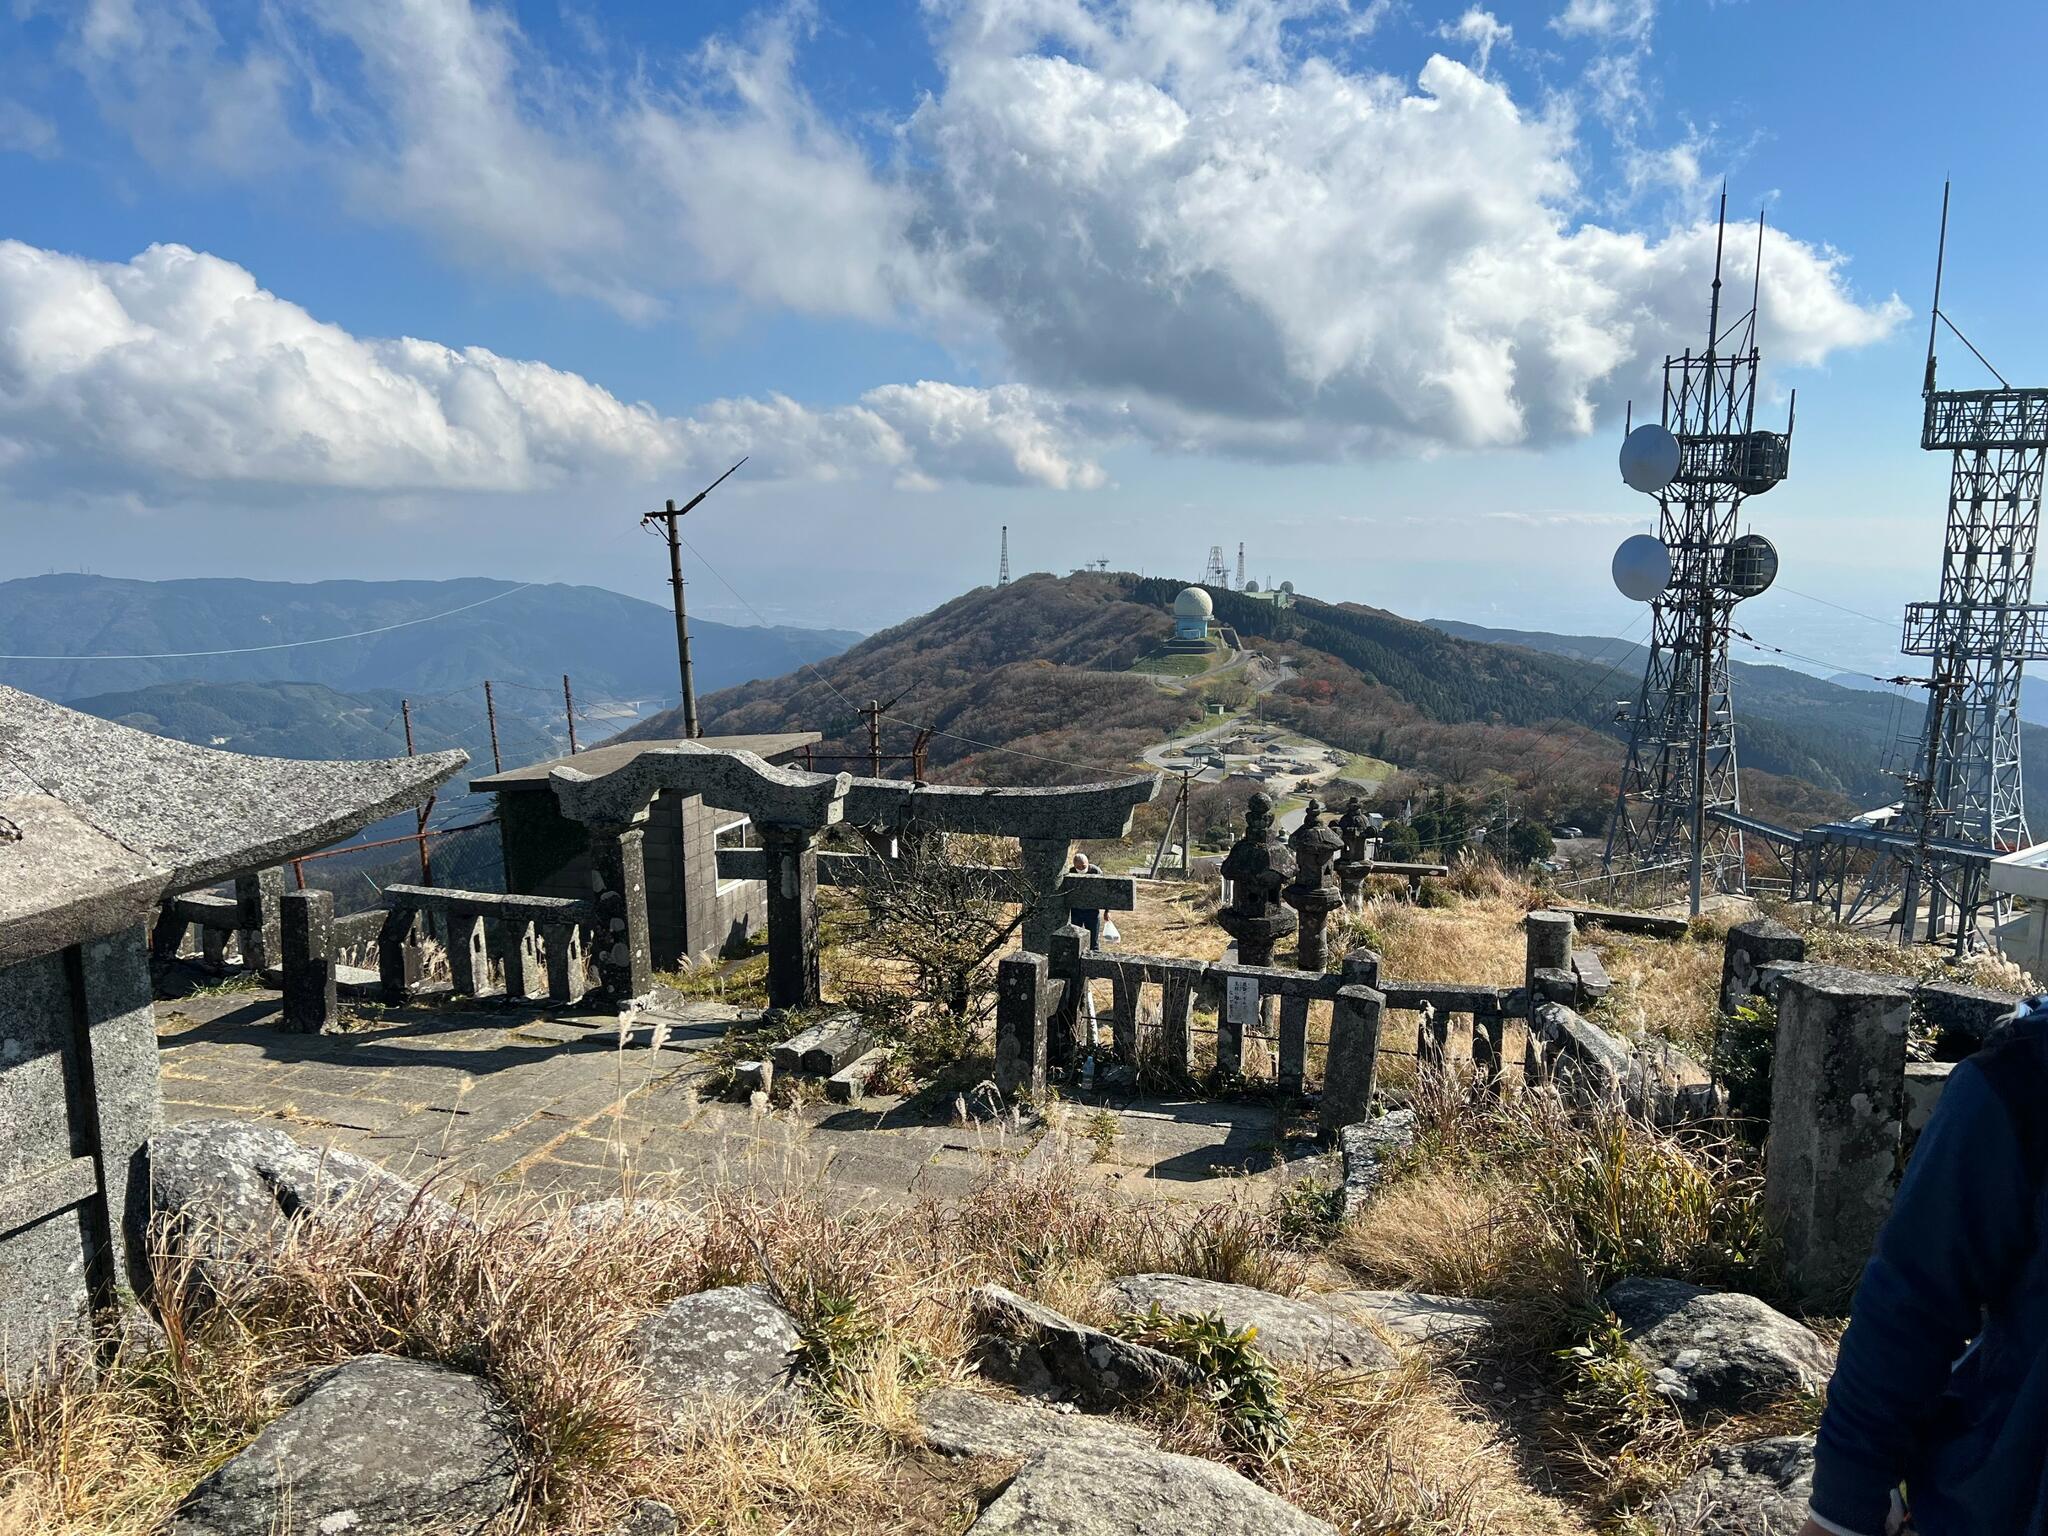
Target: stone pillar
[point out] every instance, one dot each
(1549, 937)
(469, 962)
(306, 944)
(519, 958)
(1749, 948)
(1063, 964)
(398, 955)
(1123, 1015)
(1836, 1088)
(1311, 892)
(792, 915)
(259, 894)
(127, 1096)
(562, 944)
(1362, 968)
(1044, 860)
(1021, 1019)
(1176, 1022)
(618, 883)
(1353, 1057)
(1293, 1069)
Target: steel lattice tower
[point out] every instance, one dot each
(1681, 762)
(1003, 576)
(1964, 780)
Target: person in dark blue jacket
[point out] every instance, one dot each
(1941, 1389)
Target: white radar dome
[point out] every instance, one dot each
(1642, 567)
(1193, 603)
(1649, 458)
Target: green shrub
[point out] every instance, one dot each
(1237, 1379)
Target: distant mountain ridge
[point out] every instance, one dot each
(613, 646)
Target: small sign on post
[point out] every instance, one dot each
(1241, 1000)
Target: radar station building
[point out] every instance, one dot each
(1193, 621)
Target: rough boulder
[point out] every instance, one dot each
(731, 1342)
(1759, 1488)
(1717, 1351)
(227, 1189)
(1075, 1492)
(377, 1447)
(1307, 1330)
(1041, 1352)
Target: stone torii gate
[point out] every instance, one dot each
(792, 808)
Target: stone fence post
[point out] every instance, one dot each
(306, 941)
(1836, 1089)
(1024, 1005)
(1549, 938)
(1352, 1056)
(793, 977)
(618, 884)
(1749, 948)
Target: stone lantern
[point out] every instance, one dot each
(1312, 892)
(1353, 865)
(1257, 867)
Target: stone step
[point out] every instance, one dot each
(851, 1081)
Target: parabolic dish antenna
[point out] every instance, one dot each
(1750, 566)
(1642, 567)
(1649, 458)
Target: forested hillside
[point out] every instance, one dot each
(1037, 668)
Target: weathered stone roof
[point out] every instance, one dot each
(111, 818)
(599, 761)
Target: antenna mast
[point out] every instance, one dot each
(1003, 576)
(668, 517)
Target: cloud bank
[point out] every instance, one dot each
(177, 364)
(1199, 226)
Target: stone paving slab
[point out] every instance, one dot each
(509, 1097)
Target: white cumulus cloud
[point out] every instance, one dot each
(178, 364)
(1185, 222)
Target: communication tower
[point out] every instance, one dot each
(1240, 565)
(1701, 462)
(1003, 576)
(1963, 781)
(1216, 573)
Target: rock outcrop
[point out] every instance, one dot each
(1306, 1330)
(1759, 1488)
(1076, 1492)
(1041, 1352)
(1416, 1317)
(376, 1447)
(1717, 1350)
(961, 1423)
(735, 1342)
(1368, 1146)
(227, 1189)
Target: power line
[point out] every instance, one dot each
(1856, 613)
(287, 645)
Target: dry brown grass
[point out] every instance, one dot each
(542, 1308)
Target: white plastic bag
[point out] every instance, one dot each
(1109, 931)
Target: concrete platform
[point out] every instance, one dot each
(515, 1098)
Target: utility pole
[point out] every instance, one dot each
(873, 715)
(426, 864)
(491, 714)
(668, 517)
(569, 711)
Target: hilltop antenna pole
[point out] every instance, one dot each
(1240, 565)
(569, 712)
(1003, 576)
(668, 517)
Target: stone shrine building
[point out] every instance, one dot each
(690, 911)
(99, 823)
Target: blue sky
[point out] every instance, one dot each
(441, 287)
